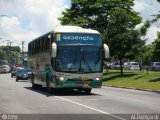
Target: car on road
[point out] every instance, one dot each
(22, 74)
(4, 69)
(14, 71)
(29, 70)
(154, 66)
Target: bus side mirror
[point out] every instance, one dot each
(106, 51)
(51, 37)
(54, 50)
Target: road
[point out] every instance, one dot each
(109, 103)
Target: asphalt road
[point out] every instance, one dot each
(20, 101)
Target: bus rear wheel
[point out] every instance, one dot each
(33, 84)
(49, 89)
(16, 79)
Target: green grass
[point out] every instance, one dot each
(136, 79)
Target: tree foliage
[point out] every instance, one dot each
(12, 48)
(92, 13)
(2, 54)
(123, 40)
(156, 44)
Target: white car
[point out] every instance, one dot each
(4, 69)
(132, 66)
(154, 66)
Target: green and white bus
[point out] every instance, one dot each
(69, 57)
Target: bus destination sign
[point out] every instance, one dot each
(76, 38)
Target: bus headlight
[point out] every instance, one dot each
(97, 78)
(62, 78)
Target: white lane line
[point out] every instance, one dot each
(90, 108)
(84, 106)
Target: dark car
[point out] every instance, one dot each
(29, 70)
(22, 74)
(14, 71)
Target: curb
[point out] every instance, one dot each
(149, 90)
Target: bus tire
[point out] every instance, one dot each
(32, 80)
(87, 91)
(16, 79)
(49, 89)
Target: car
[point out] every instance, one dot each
(4, 69)
(22, 74)
(14, 71)
(131, 66)
(116, 66)
(29, 70)
(154, 66)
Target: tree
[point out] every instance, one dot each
(157, 16)
(2, 55)
(156, 51)
(123, 40)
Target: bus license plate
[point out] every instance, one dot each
(85, 83)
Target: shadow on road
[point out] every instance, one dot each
(22, 81)
(60, 92)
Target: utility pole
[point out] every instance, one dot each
(10, 45)
(23, 51)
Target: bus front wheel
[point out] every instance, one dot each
(87, 90)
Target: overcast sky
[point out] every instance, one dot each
(28, 19)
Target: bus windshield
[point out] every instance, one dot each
(78, 59)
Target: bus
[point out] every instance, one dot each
(70, 57)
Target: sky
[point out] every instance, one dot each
(25, 20)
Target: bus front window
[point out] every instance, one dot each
(68, 59)
(78, 59)
(90, 60)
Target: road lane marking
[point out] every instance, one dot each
(90, 108)
(84, 106)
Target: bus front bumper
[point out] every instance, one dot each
(79, 84)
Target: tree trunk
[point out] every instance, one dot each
(121, 67)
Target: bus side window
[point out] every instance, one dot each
(38, 45)
(47, 68)
(29, 49)
(53, 63)
(41, 44)
(48, 44)
(34, 47)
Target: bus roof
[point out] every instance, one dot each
(74, 29)
(68, 29)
